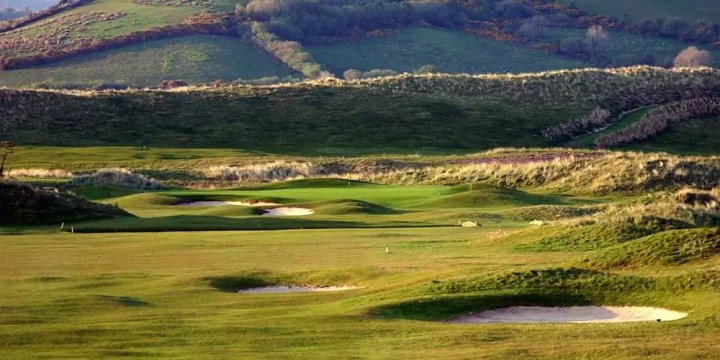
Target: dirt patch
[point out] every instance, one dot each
(572, 314)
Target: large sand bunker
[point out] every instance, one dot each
(227, 203)
(288, 211)
(293, 289)
(572, 314)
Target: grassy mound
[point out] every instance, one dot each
(489, 196)
(145, 200)
(24, 204)
(102, 192)
(556, 278)
(595, 236)
(550, 212)
(665, 248)
(346, 207)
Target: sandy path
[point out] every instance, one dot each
(573, 314)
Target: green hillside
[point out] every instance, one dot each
(408, 49)
(687, 9)
(197, 59)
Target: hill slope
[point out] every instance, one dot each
(404, 112)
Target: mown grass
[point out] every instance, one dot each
(194, 59)
(173, 295)
(407, 49)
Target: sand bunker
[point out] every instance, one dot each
(228, 203)
(288, 211)
(293, 289)
(573, 314)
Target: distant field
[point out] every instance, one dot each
(136, 17)
(622, 43)
(448, 51)
(688, 9)
(198, 59)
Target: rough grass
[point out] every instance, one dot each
(696, 137)
(666, 248)
(24, 204)
(588, 237)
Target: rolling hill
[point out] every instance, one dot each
(132, 41)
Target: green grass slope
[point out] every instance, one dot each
(422, 113)
(448, 51)
(195, 59)
(698, 136)
(665, 248)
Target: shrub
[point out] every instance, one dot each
(693, 57)
(39, 173)
(274, 171)
(117, 177)
(596, 119)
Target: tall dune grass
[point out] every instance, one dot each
(117, 177)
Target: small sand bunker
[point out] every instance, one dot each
(573, 314)
(228, 203)
(293, 289)
(288, 211)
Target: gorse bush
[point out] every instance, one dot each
(657, 120)
(595, 120)
(278, 170)
(40, 173)
(117, 177)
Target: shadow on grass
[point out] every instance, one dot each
(207, 223)
(125, 300)
(219, 223)
(234, 283)
(447, 307)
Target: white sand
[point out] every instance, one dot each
(294, 289)
(573, 314)
(228, 203)
(288, 211)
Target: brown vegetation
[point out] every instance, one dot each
(595, 120)
(657, 120)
